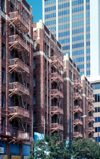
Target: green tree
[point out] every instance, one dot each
(85, 148)
(50, 148)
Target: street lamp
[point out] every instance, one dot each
(84, 116)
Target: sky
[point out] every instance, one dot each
(36, 9)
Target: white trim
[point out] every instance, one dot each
(85, 37)
(68, 79)
(42, 54)
(84, 95)
(71, 28)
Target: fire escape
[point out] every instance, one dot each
(77, 109)
(91, 120)
(17, 88)
(56, 93)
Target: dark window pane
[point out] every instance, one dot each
(95, 97)
(96, 129)
(96, 109)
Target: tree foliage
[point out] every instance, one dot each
(50, 148)
(53, 148)
(85, 148)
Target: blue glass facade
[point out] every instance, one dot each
(74, 33)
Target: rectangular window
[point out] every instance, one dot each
(95, 109)
(28, 85)
(48, 51)
(28, 128)
(11, 8)
(3, 51)
(45, 83)
(45, 100)
(34, 117)
(48, 84)
(3, 5)
(3, 76)
(95, 139)
(96, 86)
(96, 119)
(48, 101)
(45, 48)
(98, 109)
(48, 119)
(34, 99)
(45, 118)
(34, 63)
(28, 107)
(3, 27)
(95, 97)
(2, 125)
(3, 100)
(48, 68)
(96, 129)
(98, 97)
(45, 65)
(12, 101)
(34, 81)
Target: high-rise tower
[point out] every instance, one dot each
(69, 21)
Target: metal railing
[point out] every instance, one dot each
(16, 15)
(17, 39)
(19, 87)
(20, 111)
(19, 63)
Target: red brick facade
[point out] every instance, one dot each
(48, 109)
(78, 98)
(32, 77)
(16, 73)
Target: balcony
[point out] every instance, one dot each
(18, 112)
(16, 42)
(17, 88)
(19, 135)
(56, 61)
(56, 110)
(19, 21)
(77, 96)
(77, 109)
(55, 93)
(56, 127)
(77, 135)
(91, 130)
(77, 122)
(17, 65)
(91, 108)
(91, 119)
(91, 99)
(56, 76)
(77, 84)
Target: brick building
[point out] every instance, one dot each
(47, 81)
(32, 98)
(78, 98)
(16, 63)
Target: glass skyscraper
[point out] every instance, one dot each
(69, 21)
